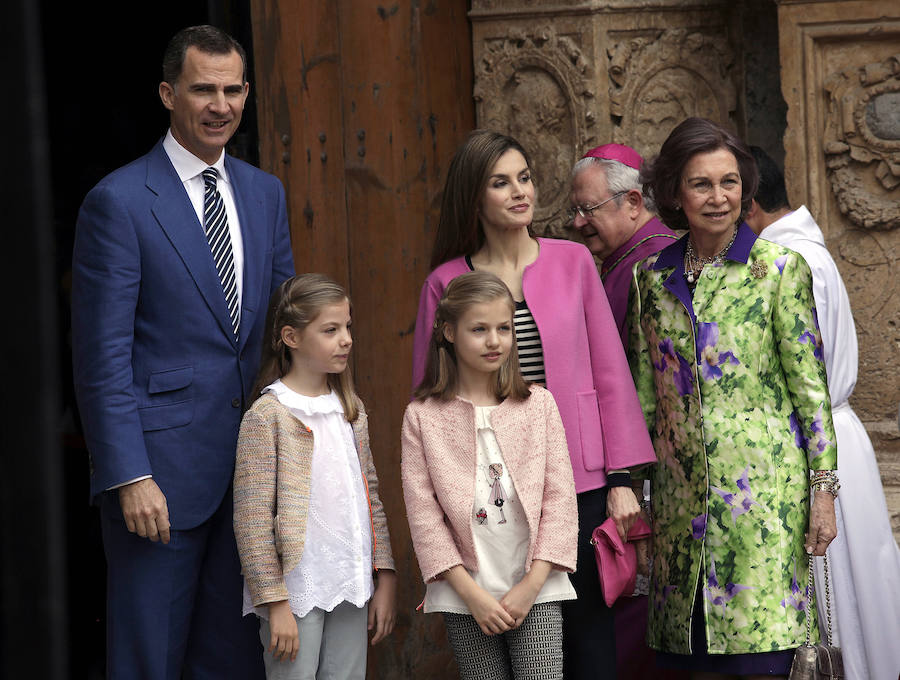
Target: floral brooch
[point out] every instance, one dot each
(759, 269)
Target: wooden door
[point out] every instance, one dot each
(360, 109)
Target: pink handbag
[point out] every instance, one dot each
(617, 561)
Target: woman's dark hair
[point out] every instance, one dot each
(459, 229)
(441, 377)
(663, 175)
(297, 303)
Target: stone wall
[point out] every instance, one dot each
(841, 81)
(563, 77)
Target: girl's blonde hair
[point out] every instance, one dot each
(297, 303)
(441, 378)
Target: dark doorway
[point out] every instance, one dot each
(102, 66)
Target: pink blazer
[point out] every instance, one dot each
(583, 358)
(438, 471)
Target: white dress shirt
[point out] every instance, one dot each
(190, 171)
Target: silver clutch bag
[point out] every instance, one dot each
(822, 661)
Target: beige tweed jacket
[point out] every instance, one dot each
(271, 496)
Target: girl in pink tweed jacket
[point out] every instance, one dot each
(489, 490)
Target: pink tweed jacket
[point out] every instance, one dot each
(438, 471)
(271, 496)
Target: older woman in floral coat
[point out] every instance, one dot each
(727, 359)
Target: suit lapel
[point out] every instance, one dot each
(176, 217)
(249, 206)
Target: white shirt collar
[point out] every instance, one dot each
(186, 164)
(325, 403)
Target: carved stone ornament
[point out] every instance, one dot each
(862, 142)
(659, 81)
(537, 86)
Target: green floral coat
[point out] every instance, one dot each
(733, 388)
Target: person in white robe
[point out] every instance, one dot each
(864, 560)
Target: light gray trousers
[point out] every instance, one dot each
(332, 646)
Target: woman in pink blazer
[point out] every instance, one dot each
(567, 340)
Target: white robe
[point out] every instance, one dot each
(864, 561)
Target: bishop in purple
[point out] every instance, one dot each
(617, 224)
(615, 219)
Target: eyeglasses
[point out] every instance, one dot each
(588, 210)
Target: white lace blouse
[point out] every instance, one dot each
(336, 565)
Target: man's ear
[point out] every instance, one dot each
(754, 217)
(754, 209)
(167, 95)
(635, 201)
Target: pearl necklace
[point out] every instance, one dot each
(693, 263)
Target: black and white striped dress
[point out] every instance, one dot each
(531, 352)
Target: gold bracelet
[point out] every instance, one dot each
(825, 480)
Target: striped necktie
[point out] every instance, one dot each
(219, 237)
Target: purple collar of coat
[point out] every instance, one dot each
(673, 255)
(673, 258)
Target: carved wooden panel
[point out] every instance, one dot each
(563, 77)
(841, 81)
(842, 143)
(658, 81)
(537, 86)
(862, 142)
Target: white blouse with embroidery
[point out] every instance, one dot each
(336, 565)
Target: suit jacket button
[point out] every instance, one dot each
(235, 402)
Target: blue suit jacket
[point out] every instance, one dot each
(160, 381)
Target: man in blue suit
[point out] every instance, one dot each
(173, 268)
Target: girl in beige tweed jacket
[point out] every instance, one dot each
(477, 436)
(304, 470)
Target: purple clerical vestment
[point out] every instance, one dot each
(616, 269)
